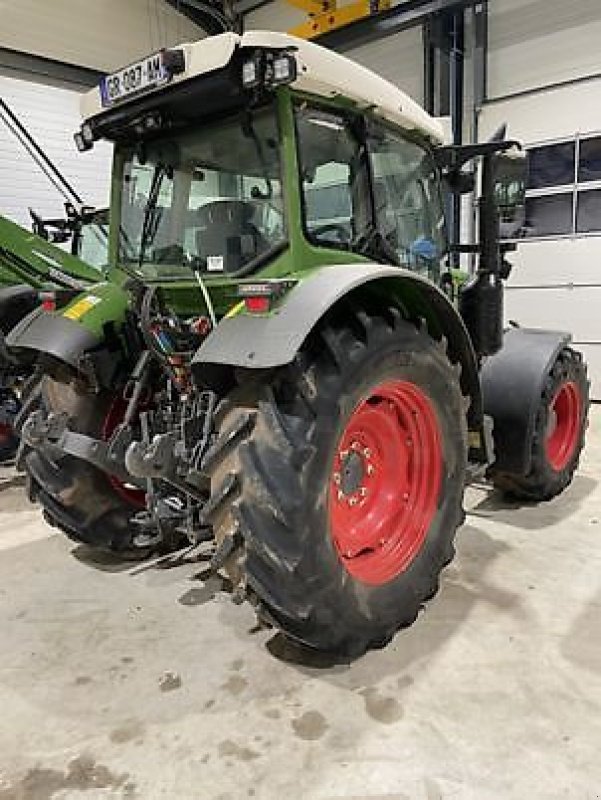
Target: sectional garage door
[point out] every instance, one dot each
(556, 280)
(50, 111)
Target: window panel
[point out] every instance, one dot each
(588, 211)
(333, 182)
(549, 216)
(589, 167)
(407, 202)
(551, 165)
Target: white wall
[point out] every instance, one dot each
(534, 43)
(102, 34)
(398, 58)
(50, 111)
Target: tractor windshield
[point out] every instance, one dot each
(209, 199)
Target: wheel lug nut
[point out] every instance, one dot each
(363, 491)
(367, 452)
(370, 469)
(342, 454)
(340, 496)
(355, 446)
(353, 501)
(336, 477)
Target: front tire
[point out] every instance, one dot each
(558, 434)
(336, 556)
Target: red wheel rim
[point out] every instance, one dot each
(385, 482)
(563, 429)
(115, 415)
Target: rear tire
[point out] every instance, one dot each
(276, 475)
(558, 434)
(78, 498)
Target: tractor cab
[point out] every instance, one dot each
(239, 159)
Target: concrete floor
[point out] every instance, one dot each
(146, 682)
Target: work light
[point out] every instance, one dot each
(81, 143)
(283, 69)
(252, 72)
(87, 134)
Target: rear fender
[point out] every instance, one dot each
(15, 303)
(76, 335)
(260, 342)
(512, 384)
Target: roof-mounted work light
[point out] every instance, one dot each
(282, 69)
(266, 68)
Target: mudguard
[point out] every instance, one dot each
(512, 384)
(15, 303)
(259, 342)
(54, 335)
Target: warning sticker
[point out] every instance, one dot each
(215, 263)
(81, 307)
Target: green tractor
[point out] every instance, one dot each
(277, 369)
(33, 272)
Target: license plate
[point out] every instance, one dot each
(148, 73)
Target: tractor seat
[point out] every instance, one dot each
(226, 237)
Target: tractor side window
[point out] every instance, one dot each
(407, 201)
(332, 177)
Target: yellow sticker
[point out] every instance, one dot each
(81, 307)
(235, 310)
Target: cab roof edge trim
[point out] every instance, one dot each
(321, 72)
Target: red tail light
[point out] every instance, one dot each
(257, 304)
(48, 301)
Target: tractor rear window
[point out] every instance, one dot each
(208, 199)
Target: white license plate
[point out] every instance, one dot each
(148, 73)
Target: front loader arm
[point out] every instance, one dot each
(27, 258)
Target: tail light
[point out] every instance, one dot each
(48, 301)
(259, 297)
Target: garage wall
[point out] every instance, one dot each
(103, 34)
(535, 43)
(556, 281)
(398, 58)
(50, 110)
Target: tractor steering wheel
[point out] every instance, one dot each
(338, 228)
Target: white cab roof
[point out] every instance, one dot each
(321, 72)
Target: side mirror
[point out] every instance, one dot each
(510, 192)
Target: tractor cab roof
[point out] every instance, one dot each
(319, 72)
